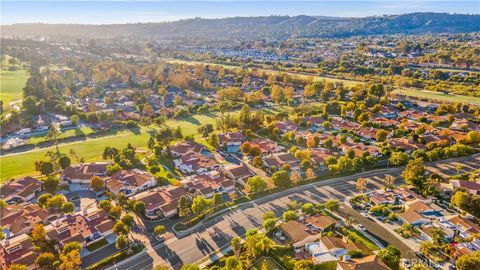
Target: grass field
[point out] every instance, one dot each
(69, 133)
(11, 84)
(348, 83)
(437, 96)
(22, 164)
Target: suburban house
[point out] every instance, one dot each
(286, 126)
(161, 202)
(464, 226)
(22, 190)
(17, 250)
(84, 172)
(17, 220)
(275, 162)
(330, 248)
(294, 231)
(320, 223)
(318, 156)
(193, 162)
(208, 183)
(240, 173)
(418, 213)
(426, 231)
(231, 140)
(472, 187)
(182, 148)
(84, 227)
(130, 182)
(266, 146)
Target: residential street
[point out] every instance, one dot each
(217, 233)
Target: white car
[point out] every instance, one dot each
(406, 263)
(364, 214)
(361, 227)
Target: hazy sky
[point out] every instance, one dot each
(123, 11)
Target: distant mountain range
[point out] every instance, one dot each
(271, 27)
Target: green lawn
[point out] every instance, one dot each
(68, 133)
(437, 96)
(348, 83)
(11, 85)
(22, 164)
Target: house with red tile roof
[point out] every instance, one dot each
(17, 220)
(231, 139)
(162, 201)
(366, 263)
(130, 182)
(194, 162)
(184, 147)
(17, 250)
(85, 227)
(286, 126)
(23, 189)
(208, 183)
(275, 162)
(266, 146)
(84, 172)
(239, 173)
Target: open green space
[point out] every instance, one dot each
(81, 131)
(11, 83)
(437, 96)
(22, 164)
(346, 82)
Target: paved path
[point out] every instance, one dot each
(217, 233)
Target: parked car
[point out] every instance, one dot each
(406, 263)
(361, 227)
(364, 214)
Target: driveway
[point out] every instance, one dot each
(217, 233)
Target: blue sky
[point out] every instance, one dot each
(124, 11)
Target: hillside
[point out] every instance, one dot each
(271, 27)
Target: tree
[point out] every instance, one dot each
(231, 263)
(295, 177)
(64, 162)
(106, 205)
(38, 233)
(43, 199)
(46, 168)
(51, 184)
(128, 220)
(236, 244)
(120, 228)
(269, 224)
(53, 134)
(217, 199)
(256, 184)
(469, 261)
(310, 173)
(308, 209)
(414, 173)
(389, 181)
(71, 246)
(361, 184)
(399, 158)
(213, 140)
(68, 207)
(16, 266)
(381, 135)
(459, 168)
(75, 119)
(159, 230)
(390, 256)
(289, 215)
(200, 205)
(96, 183)
(303, 265)
(121, 242)
(332, 205)
(183, 208)
(268, 215)
(70, 261)
(281, 179)
(45, 260)
(161, 267)
(139, 207)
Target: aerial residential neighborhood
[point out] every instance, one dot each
(294, 142)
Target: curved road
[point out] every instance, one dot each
(217, 233)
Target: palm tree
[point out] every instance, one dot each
(236, 244)
(348, 221)
(361, 184)
(265, 244)
(458, 167)
(389, 181)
